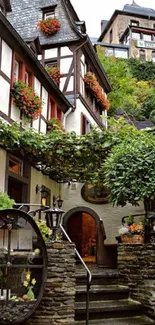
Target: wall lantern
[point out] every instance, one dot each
(44, 192)
(53, 216)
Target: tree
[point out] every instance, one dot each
(133, 85)
(130, 171)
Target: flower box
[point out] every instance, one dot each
(49, 26)
(132, 239)
(26, 100)
(92, 83)
(54, 73)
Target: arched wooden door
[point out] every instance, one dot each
(82, 229)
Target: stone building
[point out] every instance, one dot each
(130, 33)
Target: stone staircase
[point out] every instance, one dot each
(110, 303)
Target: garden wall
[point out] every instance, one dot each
(136, 267)
(58, 304)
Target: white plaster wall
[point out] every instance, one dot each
(37, 86)
(70, 86)
(43, 126)
(62, 83)
(15, 112)
(45, 102)
(6, 62)
(65, 64)
(2, 169)
(35, 124)
(51, 53)
(83, 58)
(110, 215)
(65, 51)
(4, 95)
(40, 179)
(73, 120)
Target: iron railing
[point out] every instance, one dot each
(89, 275)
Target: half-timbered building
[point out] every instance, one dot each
(90, 217)
(71, 51)
(17, 61)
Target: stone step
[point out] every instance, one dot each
(107, 308)
(102, 292)
(100, 276)
(137, 320)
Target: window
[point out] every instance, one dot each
(142, 55)
(153, 56)
(111, 36)
(147, 37)
(121, 53)
(18, 70)
(16, 165)
(135, 35)
(50, 14)
(109, 51)
(85, 124)
(153, 26)
(134, 23)
(28, 78)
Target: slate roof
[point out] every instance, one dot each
(139, 125)
(26, 24)
(128, 9)
(134, 8)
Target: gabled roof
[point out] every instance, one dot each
(26, 14)
(134, 8)
(129, 10)
(14, 40)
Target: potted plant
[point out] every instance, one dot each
(132, 232)
(49, 26)
(5, 201)
(26, 100)
(92, 83)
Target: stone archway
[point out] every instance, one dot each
(72, 222)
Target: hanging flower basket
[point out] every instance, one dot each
(49, 26)
(26, 100)
(92, 83)
(54, 73)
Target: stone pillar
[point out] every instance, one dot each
(58, 304)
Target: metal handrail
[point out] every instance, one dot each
(89, 275)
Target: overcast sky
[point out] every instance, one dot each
(93, 11)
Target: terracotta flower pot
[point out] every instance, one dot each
(132, 239)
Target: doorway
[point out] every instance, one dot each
(17, 190)
(82, 229)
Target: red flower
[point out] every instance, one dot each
(26, 100)
(55, 74)
(92, 83)
(49, 26)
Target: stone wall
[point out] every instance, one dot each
(58, 304)
(136, 266)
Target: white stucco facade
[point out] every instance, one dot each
(110, 215)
